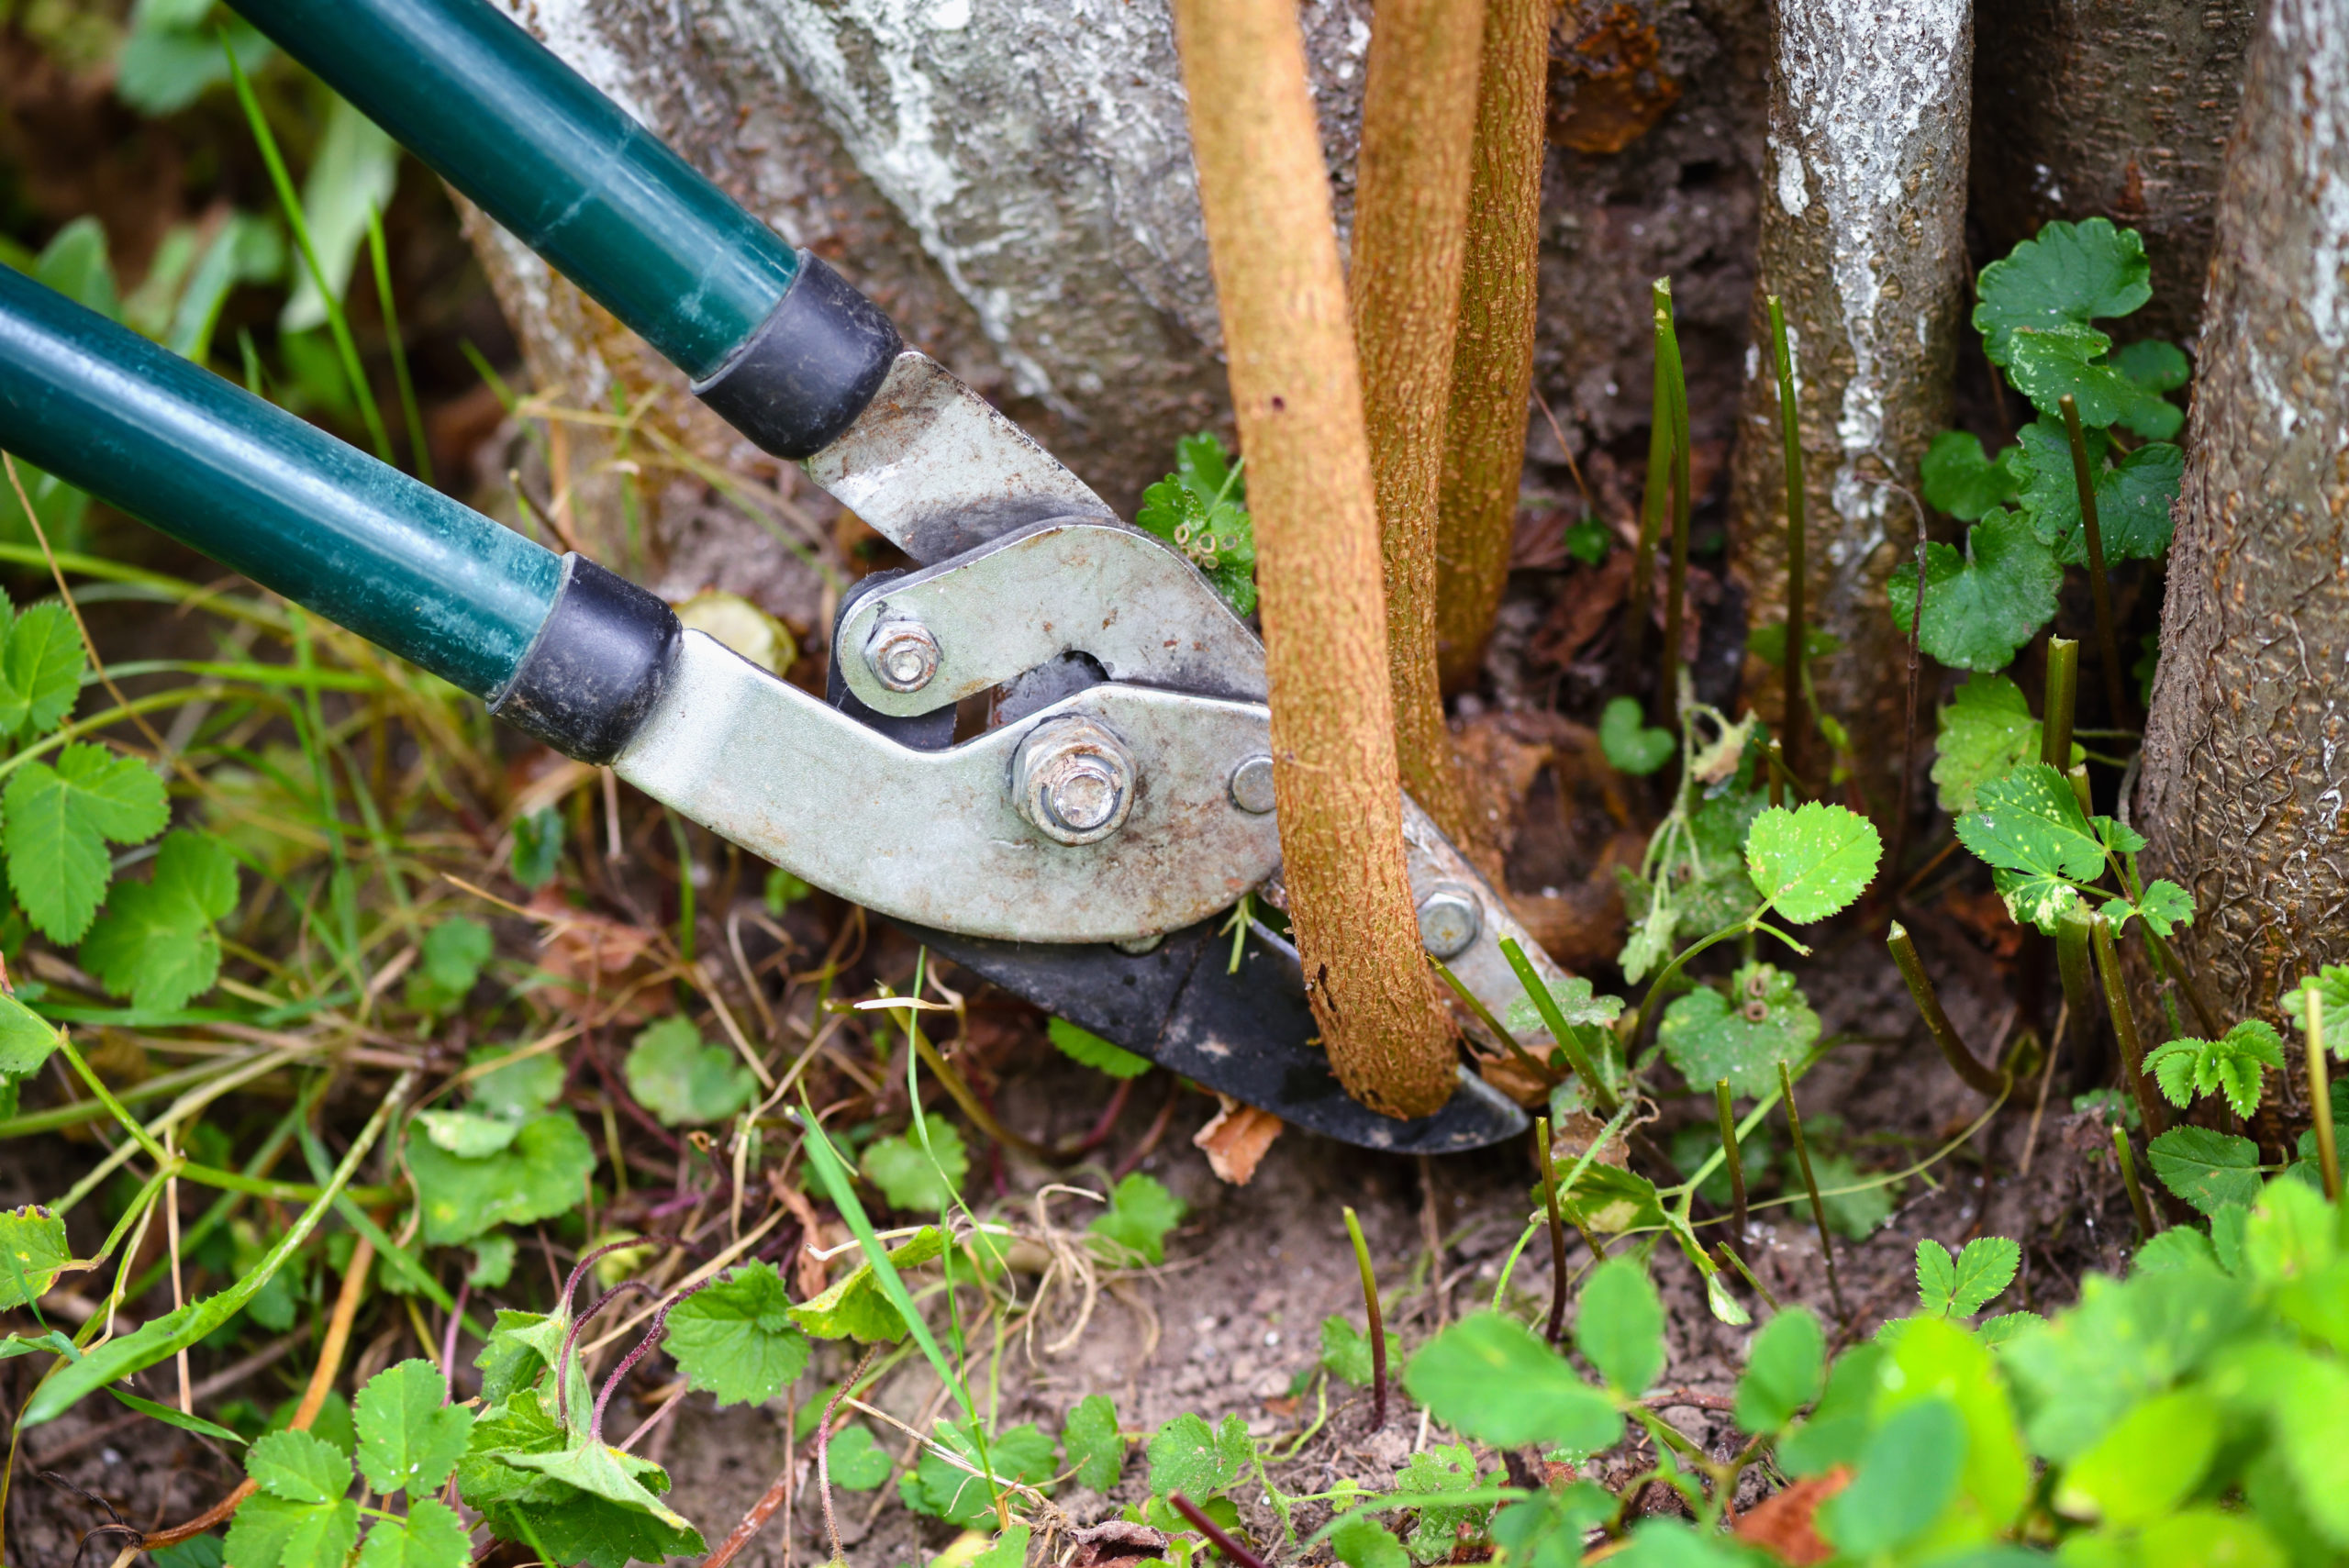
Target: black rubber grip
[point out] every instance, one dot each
(810, 370)
(597, 667)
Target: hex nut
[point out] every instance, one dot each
(1252, 785)
(902, 654)
(1073, 780)
(1450, 919)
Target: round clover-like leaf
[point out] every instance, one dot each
(1813, 860)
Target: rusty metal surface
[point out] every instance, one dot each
(933, 837)
(1137, 607)
(938, 470)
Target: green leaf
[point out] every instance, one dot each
(538, 848)
(408, 1440)
(1090, 1049)
(26, 1040)
(76, 264)
(430, 1537)
(2133, 497)
(2156, 365)
(1813, 861)
(1186, 1455)
(2205, 1168)
(2164, 907)
(2030, 822)
(1140, 1214)
(1840, 1424)
(1008, 1550)
(1744, 1037)
(33, 1253)
(1345, 1351)
(493, 1262)
(1982, 605)
(2147, 1464)
(1767, 642)
(451, 956)
(172, 1418)
(171, 57)
(468, 1134)
(1960, 480)
(2125, 1341)
(2331, 983)
(2005, 1327)
(1961, 1288)
(1907, 1474)
(2050, 364)
(736, 1338)
(945, 1490)
(155, 941)
(41, 674)
(58, 821)
(299, 1467)
(1784, 1368)
(2232, 1065)
(1631, 745)
(270, 1532)
(1589, 541)
(1200, 509)
(1360, 1541)
(520, 1088)
(602, 1471)
(1936, 1278)
(1619, 1325)
(541, 1175)
(1987, 732)
(1486, 1377)
(2070, 273)
(912, 1178)
(1853, 1214)
(1441, 1468)
(855, 1307)
(685, 1081)
(353, 169)
(1608, 1199)
(1097, 1449)
(1576, 1002)
(1546, 1530)
(856, 1463)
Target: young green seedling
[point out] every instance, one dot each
(1811, 1185)
(1376, 1321)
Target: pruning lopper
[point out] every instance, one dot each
(1078, 853)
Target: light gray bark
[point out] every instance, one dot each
(2247, 749)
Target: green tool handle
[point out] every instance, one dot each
(564, 169)
(259, 490)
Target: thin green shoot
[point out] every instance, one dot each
(1797, 561)
(1733, 1157)
(2136, 1189)
(2150, 1103)
(1811, 1185)
(1602, 1093)
(2099, 589)
(1376, 1321)
(1677, 577)
(1483, 1015)
(2063, 696)
(685, 921)
(1654, 511)
(419, 448)
(2328, 1157)
(1980, 1079)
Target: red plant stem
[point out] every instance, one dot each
(1377, 1323)
(563, 1358)
(1557, 1324)
(652, 1338)
(1232, 1551)
(1103, 1127)
(1156, 1130)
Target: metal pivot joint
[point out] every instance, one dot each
(902, 654)
(1073, 780)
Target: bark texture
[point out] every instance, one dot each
(1863, 238)
(2113, 107)
(2245, 762)
(1492, 354)
(1298, 397)
(1419, 132)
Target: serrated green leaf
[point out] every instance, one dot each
(1986, 733)
(1201, 510)
(736, 1338)
(1140, 1214)
(855, 1462)
(2233, 1065)
(950, 1492)
(1629, 744)
(1960, 480)
(408, 1440)
(451, 956)
(1986, 1267)
(2133, 496)
(270, 1532)
(1089, 1050)
(41, 674)
(154, 942)
(1784, 1369)
(1097, 1449)
(1742, 1037)
(1576, 1002)
(1186, 1455)
(2068, 274)
(26, 1040)
(1980, 606)
(2030, 822)
(1619, 1325)
(854, 1307)
(1345, 1351)
(2331, 983)
(1360, 1541)
(683, 1079)
(1936, 1278)
(2164, 907)
(602, 1471)
(299, 1467)
(2205, 1168)
(2006, 1327)
(1486, 1377)
(539, 1176)
(1436, 1469)
(57, 822)
(1813, 860)
(33, 1252)
(2048, 364)
(912, 1178)
(430, 1537)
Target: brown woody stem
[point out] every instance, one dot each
(1982, 1080)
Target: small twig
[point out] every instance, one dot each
(2137, 1204)
(2108, 647)
(2321, 1096)
(1986, 1081)
(1377, 1324)
(1557, 1324)
(1810, 1185)
(1232, 1551)
(1733, 1157)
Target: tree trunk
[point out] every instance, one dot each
(2118, 108)
(1492, 356)
(1863, 238)
(1419, 134)
(2244, 766)
(1297, 396)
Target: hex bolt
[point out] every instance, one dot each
(1450, 918)
(1252, 785)
(902, 654)
(1073, 780)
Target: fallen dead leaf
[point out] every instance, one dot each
(1575, 1133)
(1235, 1141)
(1785, 1525)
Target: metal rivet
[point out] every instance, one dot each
(902, 654)
(1252, 786)
(1450, 918)
(1073, 780)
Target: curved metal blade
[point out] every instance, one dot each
(1249, 1034)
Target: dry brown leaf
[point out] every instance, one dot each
(1235, 1141)
(1571, 1138)
(1785, 1525)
